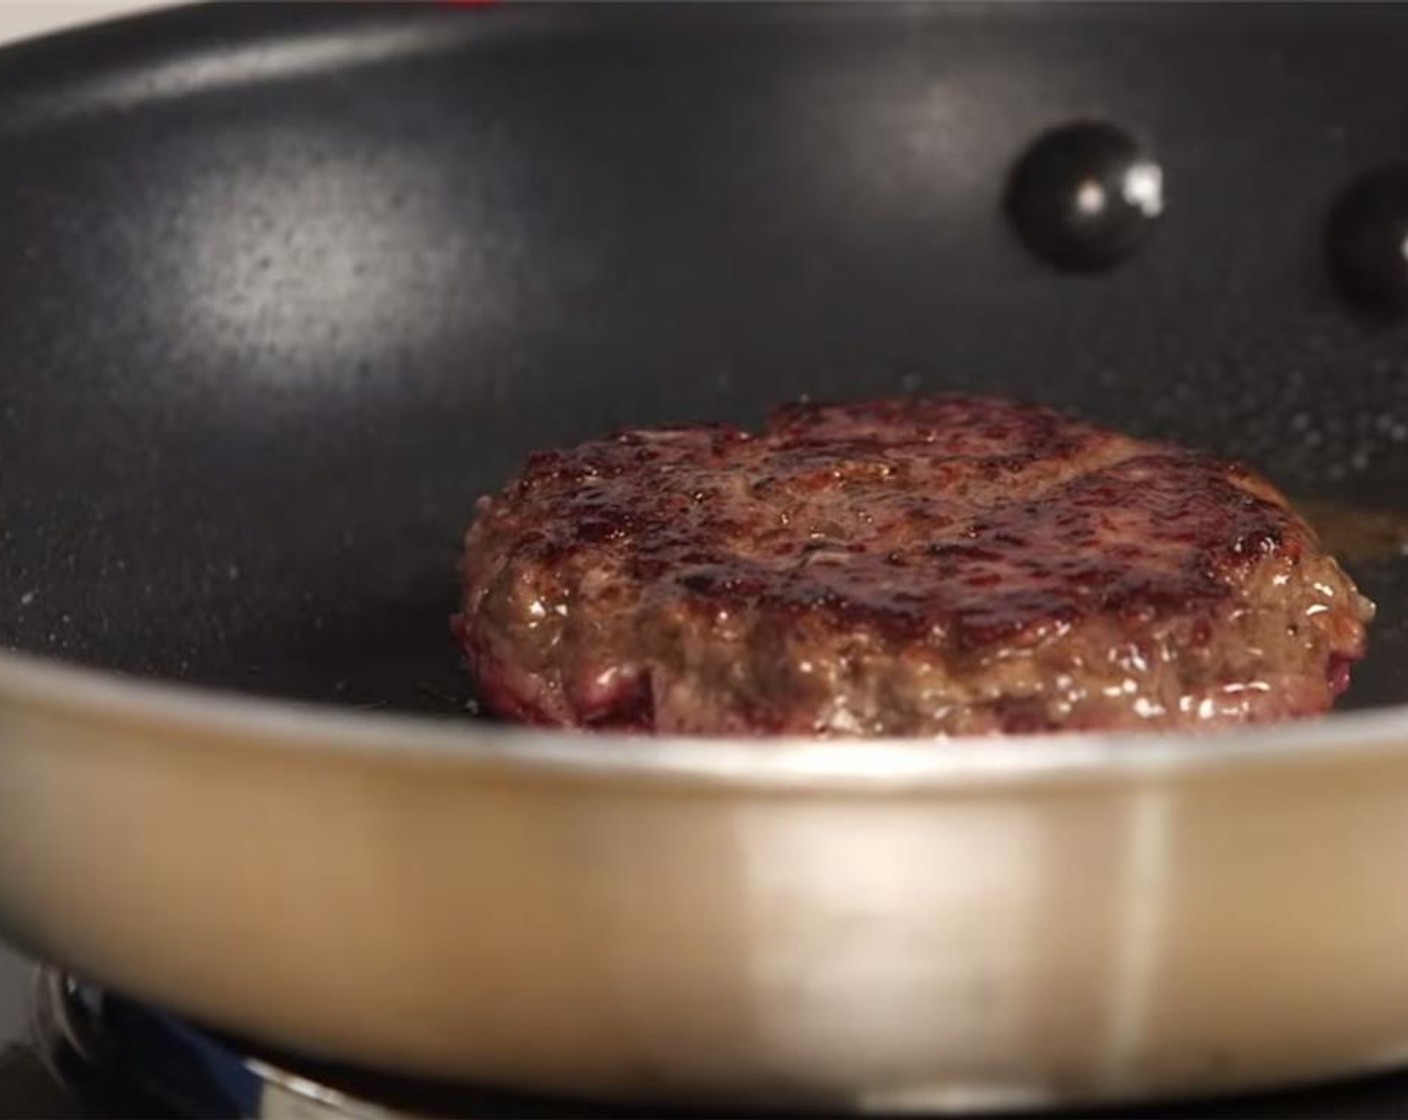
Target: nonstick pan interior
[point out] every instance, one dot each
(283, 288)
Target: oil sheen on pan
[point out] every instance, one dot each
(936, 567)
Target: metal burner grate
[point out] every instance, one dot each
(137, 1061)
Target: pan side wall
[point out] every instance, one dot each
(1081, 941)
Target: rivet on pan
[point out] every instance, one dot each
(1366, 241)
(1084, 196)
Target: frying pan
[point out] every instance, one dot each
(283, 289)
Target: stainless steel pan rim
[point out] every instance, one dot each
(100, 697)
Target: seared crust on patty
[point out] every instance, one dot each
(905, 567)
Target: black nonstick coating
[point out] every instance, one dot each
(284, 288)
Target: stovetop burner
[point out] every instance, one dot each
(137, 1061)
(129, 1060)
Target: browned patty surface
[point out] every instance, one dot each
(900, 567)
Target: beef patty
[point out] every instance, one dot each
(903, 567)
